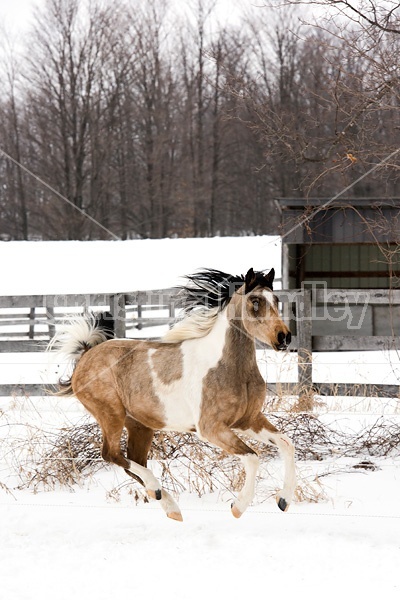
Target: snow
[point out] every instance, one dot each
(85, 548)
(79, 545)
(87, 542)
(111, 267)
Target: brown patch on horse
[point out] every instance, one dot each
(236, 393)
(139, 441)
(113, 375)
(167, 362)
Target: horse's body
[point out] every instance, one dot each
(202, 378)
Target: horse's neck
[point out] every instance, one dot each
(239, 349)
(227, 341)
(240, 342)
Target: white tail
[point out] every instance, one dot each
(78, 335)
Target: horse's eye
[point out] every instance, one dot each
(256, 305)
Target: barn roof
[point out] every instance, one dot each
(344, 220)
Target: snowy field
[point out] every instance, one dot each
(92, 542)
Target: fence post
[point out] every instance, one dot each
(31, 323)
(118, 311)
(171, 312)
(304, 340)
(139, 316)
(50, 321)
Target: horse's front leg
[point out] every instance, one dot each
(223, 437)
(262, 430)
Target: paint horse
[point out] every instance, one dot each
(201, 377)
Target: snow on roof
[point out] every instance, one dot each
(109, 267)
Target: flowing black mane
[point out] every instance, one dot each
(212, 288)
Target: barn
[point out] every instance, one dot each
(346, 244)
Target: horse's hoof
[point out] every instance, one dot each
(155, 494)
(282, 504)
(176, 516)
(235, 511)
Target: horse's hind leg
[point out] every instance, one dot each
(264, 431)
(112, 425)
(139, 442)
(111, 418)
(140, 438)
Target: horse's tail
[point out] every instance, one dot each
(77, 337)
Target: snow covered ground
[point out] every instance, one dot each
(88, 543)
(61, 545)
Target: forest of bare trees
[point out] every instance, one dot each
(156, 124)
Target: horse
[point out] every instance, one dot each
(201, 377)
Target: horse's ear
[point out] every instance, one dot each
(270, 278)
(249, 281)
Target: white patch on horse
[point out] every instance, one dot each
(251, 464)
(269, 296)
(286, 448)
(172, 396)
(182, 398)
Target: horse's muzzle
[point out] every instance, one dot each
(284, 340)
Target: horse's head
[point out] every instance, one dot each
(257, 307)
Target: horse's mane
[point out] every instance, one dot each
(205, 295)
(208, 288)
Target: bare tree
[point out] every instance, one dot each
(320, 105)
(367, 13)
(67, 72)
(155, 134)
(11, 124)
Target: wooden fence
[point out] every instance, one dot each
(28, 322)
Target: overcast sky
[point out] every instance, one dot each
(16, 14)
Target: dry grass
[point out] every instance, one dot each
(309, 489)
(6, 489)
(66, 457)
(46, 460)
